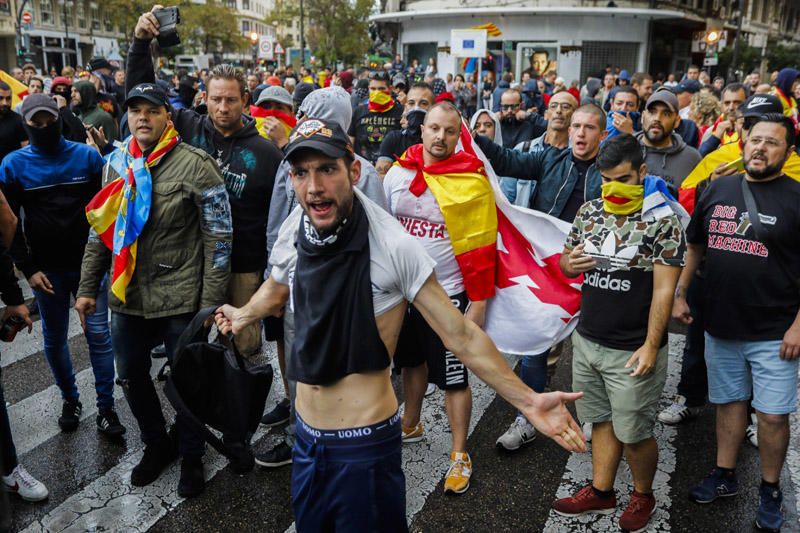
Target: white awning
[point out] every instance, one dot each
(611, 12)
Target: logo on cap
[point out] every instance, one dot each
(758, 101)
(311, 127)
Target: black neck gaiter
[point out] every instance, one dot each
(335, 329)
(47, 138)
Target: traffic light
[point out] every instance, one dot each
(712, 37)
(254, 38)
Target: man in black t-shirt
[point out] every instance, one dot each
(751, 301)
(418, 100)
(375, 119)
(631, 256)
(12, 134)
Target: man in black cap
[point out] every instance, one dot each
(52, 179)
(351, 275)
(182, 263)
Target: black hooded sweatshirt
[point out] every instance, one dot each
(248, 163)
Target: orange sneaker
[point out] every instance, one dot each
(414, 434)
(457, 480)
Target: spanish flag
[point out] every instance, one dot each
(491, 29)
(380, 102)
(727, 153)
(18, 89)
(119, 212)
(259, 113)
(466, 198)
(789, 107)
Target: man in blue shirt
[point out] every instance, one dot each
(53, 179)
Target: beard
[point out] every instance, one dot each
(656, 137)
(769, 171)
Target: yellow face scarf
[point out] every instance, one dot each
(621, 198)
(380, 102)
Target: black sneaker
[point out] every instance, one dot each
(278, 415)
(70, 415)
(279, 455)
(240, 457)
(108, 423)
(155, 459)
(193, 479)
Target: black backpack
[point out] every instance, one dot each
(211, 384)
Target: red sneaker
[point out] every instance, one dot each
(637, 514)
(585, 501)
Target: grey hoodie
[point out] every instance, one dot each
(331, 103)
(672, 163)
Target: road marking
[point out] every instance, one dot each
(34, 420)
(578, 470)
(111, 503)
(26, 344)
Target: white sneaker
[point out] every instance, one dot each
(23, 483)
(430, 390)
(677, 412)
(587, 431)
(752, 431)
(520, 432)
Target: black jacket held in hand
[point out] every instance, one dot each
(247, 161)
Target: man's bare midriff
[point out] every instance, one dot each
(356, 399)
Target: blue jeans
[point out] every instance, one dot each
(533, 371)
(694, 380)
(54, 310)
(133, 338)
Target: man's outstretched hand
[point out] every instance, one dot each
(147, 26)
(550, 416)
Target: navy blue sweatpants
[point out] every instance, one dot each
(349, 480)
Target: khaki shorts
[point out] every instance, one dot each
(611, 394)
(240, 288)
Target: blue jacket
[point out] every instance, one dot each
(552, 169)
(54, 190)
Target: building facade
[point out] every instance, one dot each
(579, 38)
(62, 32)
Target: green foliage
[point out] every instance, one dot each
(781, 56)
(748, 59)
(204, 28)
(336, 30)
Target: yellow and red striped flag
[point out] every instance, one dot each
(491, 29)
(259, 113)
(18, 89)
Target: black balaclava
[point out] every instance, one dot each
(46, 139)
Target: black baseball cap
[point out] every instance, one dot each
(150, 92)
(319, 135)
(38, 102)
(688, 86)
(97, 63)
(760, 104)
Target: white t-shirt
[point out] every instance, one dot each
(398, 265)
(423, 219)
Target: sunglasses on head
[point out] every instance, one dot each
(379, 75)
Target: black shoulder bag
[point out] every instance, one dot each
(211, 384)
(762, 234)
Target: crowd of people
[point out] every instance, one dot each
(314, 207)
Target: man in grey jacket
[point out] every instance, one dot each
(331, 103)
(666, 154)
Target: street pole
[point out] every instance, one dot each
(20, 38)
(742, 4)
(302, 36)
(66, 32)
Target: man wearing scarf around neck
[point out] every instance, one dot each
(444, 199)
(631, 250)
(373, 120)
(351, 276)
(162, 225)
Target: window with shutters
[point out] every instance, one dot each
(597, 54)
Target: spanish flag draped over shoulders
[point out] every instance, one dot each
(726, 153)
(467, 201)
(18, 89)
(119, 212)
(259, 113)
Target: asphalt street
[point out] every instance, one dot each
(88, 476)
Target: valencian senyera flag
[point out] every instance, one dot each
(513, 253)
(18, 89)
(259, 113)
(119, 212)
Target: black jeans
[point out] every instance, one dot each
(8, 451)
(133, 337)
(694, 380)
